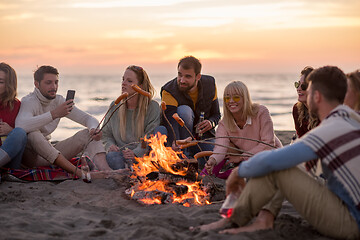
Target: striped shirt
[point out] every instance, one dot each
(337, 143)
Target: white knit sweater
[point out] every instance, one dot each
(35, 114)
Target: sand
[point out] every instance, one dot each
(78, 210)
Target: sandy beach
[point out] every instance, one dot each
(78, 210)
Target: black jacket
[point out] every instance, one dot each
(205, 102)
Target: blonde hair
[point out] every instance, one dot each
(8, 97)
(354, 77)
(142, 104)
(248, 109)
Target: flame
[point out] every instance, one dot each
(163, 159)
(159, 157)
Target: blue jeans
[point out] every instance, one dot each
(116, 160)
(14, 146)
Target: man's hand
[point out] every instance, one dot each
(175, 147)
(113, 148)
(5, 128)
(128, 154)
(209, 165)
(63, 109)
(96, 136)
(204, 126)
(234, 183)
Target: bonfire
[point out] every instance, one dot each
(163, 177)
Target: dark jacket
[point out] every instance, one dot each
(205, 102)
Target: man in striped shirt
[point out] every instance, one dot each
(334, 208)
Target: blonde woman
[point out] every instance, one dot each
(136, 118)
(352, 97)
(242, 118)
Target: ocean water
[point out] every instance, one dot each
(95, 93)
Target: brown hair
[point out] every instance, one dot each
(39, 73)
(189, 62)
(303, 112)
(330, 81)
(8, 97)
(354, 77)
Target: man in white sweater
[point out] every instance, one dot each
(39, 116)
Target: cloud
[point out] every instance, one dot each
(138, 34)
(20, 16)
(133, 3)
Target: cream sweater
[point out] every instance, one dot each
(35, 114)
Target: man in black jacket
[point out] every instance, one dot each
(189, 95)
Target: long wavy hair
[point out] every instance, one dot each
(8, 97)
(248, 109)
(142, 104)
(354, 77)
(303, 111)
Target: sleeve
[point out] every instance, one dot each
(27, 119)
(266, 129)
(83, 118)
(152, 120)
(220, 150)
(107, 132)
(215, 114)
(276, 160)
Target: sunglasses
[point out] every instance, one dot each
(235, 98)
(303, 86)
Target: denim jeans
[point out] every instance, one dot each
(116, 160)
(14, 146)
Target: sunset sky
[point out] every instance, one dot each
(258, 36)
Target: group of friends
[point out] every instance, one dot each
(261, 175)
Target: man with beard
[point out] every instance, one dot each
(39, 116)
(189, 95)
(333, 209)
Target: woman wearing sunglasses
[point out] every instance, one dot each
(242, 118)
(132, 121)
(303, 121)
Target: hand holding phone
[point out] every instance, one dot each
(70, 94)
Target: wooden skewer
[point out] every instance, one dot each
(244, 138)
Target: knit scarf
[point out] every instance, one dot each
(43, 100)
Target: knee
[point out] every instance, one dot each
(19, 133)
(33, 136)
(161, 129)
(186, 113)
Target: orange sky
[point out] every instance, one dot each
(105, 36)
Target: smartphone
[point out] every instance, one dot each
(70, 94)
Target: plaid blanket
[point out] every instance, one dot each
(46, 173)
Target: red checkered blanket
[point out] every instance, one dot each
(47, 173)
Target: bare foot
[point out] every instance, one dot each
(211, 226)
(264, 221)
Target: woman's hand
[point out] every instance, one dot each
(113, 148)
(5, 128)
(128, 154)
(236, 159)
(209, 165)
(95, 135)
